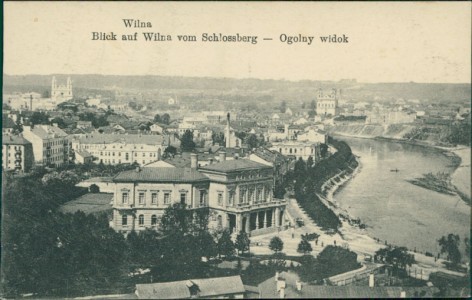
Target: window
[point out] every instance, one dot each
(154, 198)
(141, 198)
(202, 197)
(231, 198)
(220, 198)
(124, 220)
(141, 220)
(183, 198)
(153, 220)
(124, 198)
(166, 198)
(127, 156)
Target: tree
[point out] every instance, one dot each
(309, 162)
(398, 257)
(176, 220)
(335, 260)
(252, 141)
(170, 151)
(300, 168)
(276, 244)
(165, 118)
(94, 188)
(304, 247)
(283, 106)
(225, 244)
(39, 118)
(450, 245)
(186, 142)
(218, 138)
(323, 150)
(467, 246)
(157, 119)
(242, 242)
(207, 245)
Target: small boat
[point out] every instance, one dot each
(394, 170)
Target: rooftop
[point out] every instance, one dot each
(7, 122)
(122, 138)
(14, 140)
(207, 287)
(161, 175)
(89, 203)
(47, 131)
(234, 165)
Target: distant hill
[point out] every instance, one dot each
(279, 88)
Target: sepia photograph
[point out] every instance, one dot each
(236, 150)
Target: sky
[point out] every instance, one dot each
(387, 41)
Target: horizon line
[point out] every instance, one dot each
(236, 78)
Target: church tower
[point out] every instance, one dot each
(228, 131)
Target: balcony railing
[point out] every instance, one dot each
(256, 205)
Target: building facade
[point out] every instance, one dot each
(61, 93)
(327, 104)
(17, 154)
(113, 149)
(237, 193)
(142, 195)
(51, 144)
(298, 149)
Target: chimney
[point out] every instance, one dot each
(276, 276)
(371, 280)
(281, 286)
(299, 285)
(222, 156)
(282, 293)
(193, 160)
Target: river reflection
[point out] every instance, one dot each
(395, 210)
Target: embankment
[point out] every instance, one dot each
(310, 184)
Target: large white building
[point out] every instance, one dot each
(327, 104)
(113, 149)
(61, 93)
(297, 149)
(237, 193)
(50, 144)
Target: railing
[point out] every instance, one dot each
(246, 206)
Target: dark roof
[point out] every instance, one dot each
(207, 287)
(234, 165)
(89, 203)
(7, 122)
(269, 155)
(161, 175)
(14, 140)
(147, 139)
(83, 153)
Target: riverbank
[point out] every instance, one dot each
(459, 155)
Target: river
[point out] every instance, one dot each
(393, 209)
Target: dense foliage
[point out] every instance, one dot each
(331, 261)
(186, 142)
(397, 257)
(276, 244)
(450, 245)
(307, 180)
